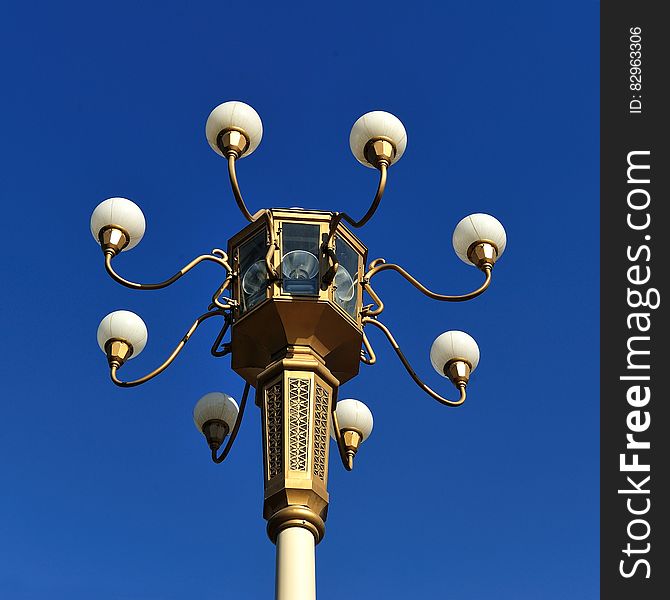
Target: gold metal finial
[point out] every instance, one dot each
(118, 352)
(379, 150)
(233, 140)
(352, 439)
(215, 431)
(483, 254)
(113, 239)
(458, 371)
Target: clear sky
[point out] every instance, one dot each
(110, 494)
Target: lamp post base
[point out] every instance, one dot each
(296, 574)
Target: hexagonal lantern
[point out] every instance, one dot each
(304, 305)
(296, 336)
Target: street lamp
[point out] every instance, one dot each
(292, 297)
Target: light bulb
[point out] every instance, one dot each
(299, 264)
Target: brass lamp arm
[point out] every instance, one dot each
(216, 298)
(342, 216)
(370, 358)
(381, 186)
(217, 350)
(233, 434)
(232, 174)
(380, 265)
(170, 359)
(368, 310)
(327, 247)
(411, 371)
(217, 256)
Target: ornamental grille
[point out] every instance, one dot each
(273, 424)
(298, 423)
(320, 431)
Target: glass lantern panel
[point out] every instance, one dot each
(300, 259)
(345, 284)
(254, 275)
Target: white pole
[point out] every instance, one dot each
(296, 576)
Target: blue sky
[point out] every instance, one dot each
(109, 493)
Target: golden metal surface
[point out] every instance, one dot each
(296, 516)
(234, 140)
(352, 439)
(458, 371)
(217, 256)
(113, 239)
(260, 336)
(483, 254)
(281, 319)
(371, 358)
(410, 370)
(118, 352)
(170, 359)
(216, 297)
(379, 151)
(295, 394)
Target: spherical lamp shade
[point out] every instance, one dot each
(235, 115)
(377, 124)
(453, 345)
(120, 212)
(353, 414)
(476, 228)
(215, 405)
(123, 325)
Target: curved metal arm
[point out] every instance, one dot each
(342, 216)
(381, 186)
(371, 358)
(216, 298)
(216, 351)
(380, 265)
(232, 174)
(347, 461)
(233, 434)
(217, 256)
(170, 358)
(411, 371)
(368, 310)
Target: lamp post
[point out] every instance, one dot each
(292, 298)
